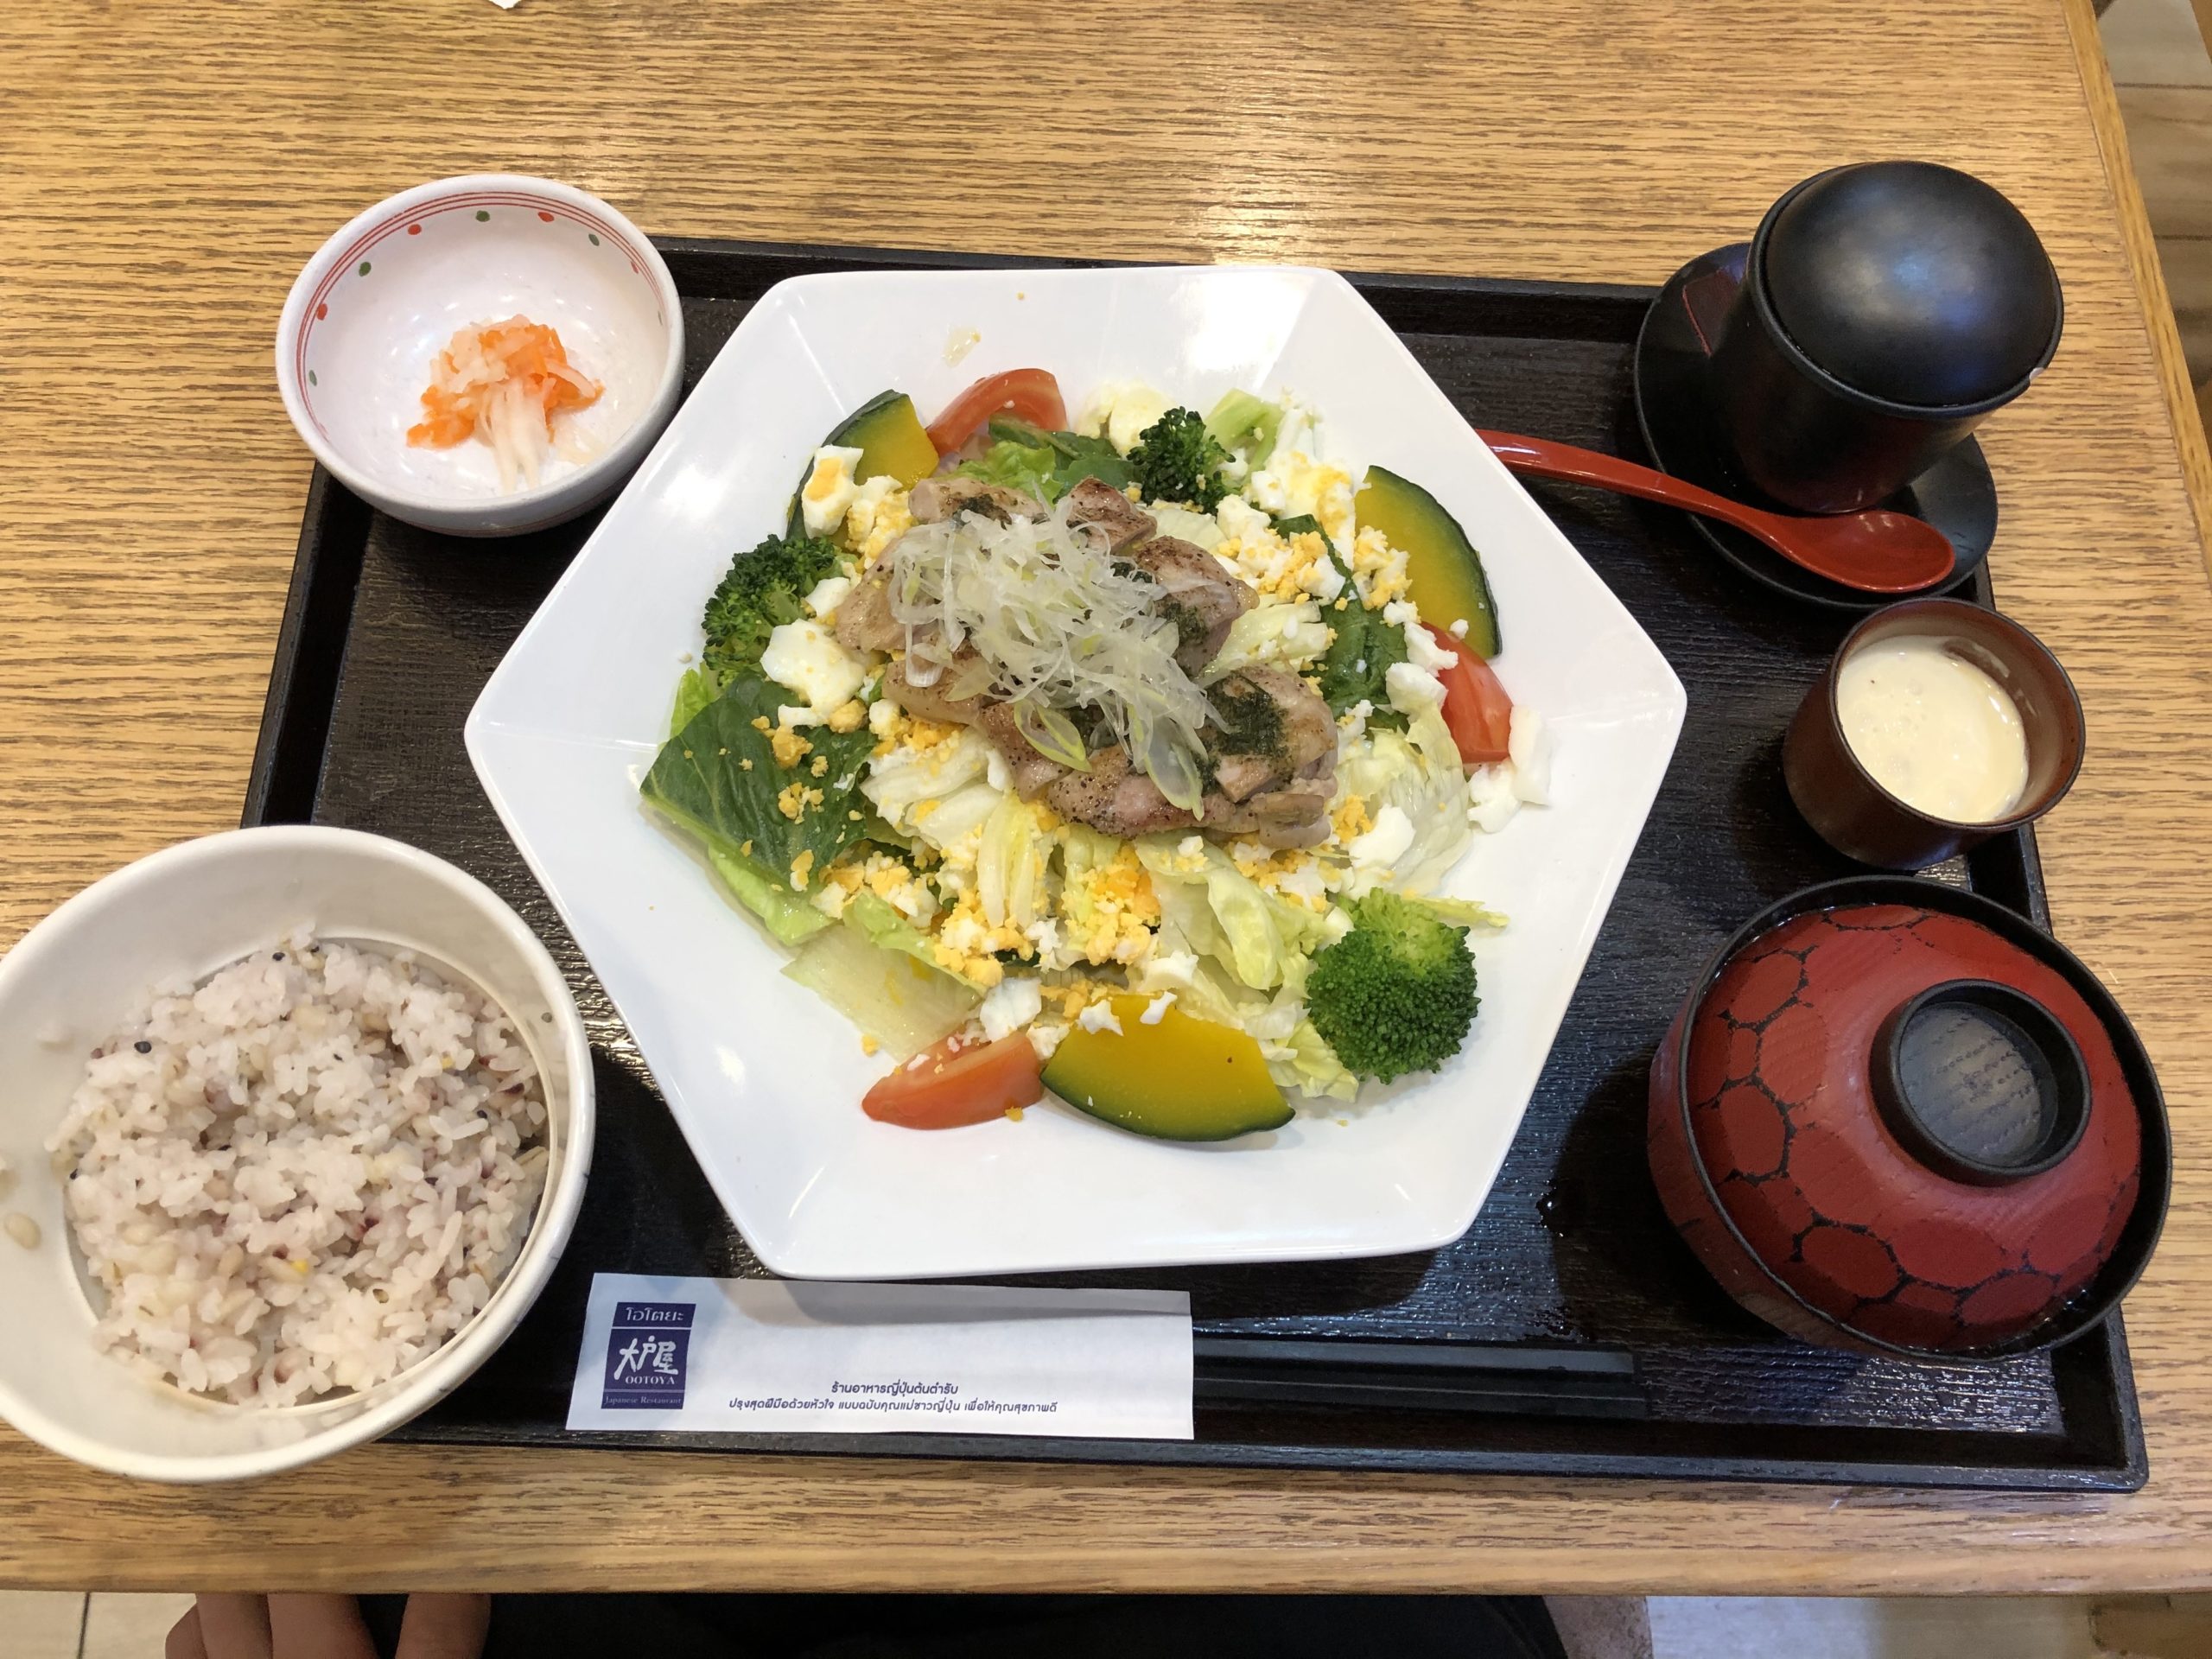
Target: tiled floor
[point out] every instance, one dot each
(1696, 1627)
(53, 1625)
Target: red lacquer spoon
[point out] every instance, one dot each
(1877, 552)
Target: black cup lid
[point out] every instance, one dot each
(1980, 1083)
(1912, 282)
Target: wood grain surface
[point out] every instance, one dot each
(164, 171)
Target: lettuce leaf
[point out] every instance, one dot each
(1418, 772)
(902, 1002)
(901, 779)
(1466, 913)
(1047, 464)
(701, 782)
(1010, 863)
(1225, 914)
(1308, 1064)
(879, 919)
(1280, 636)
(786, 916)
(1186, 524)
(694, 691)
(1026, 468)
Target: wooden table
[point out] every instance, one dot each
(164, 170)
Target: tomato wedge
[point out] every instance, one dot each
(1476, 707)
(1030, 395)
(959, 1083)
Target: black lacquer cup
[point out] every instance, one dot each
(1888, 308)
(1848, 806)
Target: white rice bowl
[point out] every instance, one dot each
(302, 1175)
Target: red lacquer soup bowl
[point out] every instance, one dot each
(1895, 1117)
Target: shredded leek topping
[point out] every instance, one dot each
(1059, 623)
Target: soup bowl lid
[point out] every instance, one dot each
(1930, 1131)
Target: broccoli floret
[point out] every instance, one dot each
(1397, 993)
(1177, 459)
(764, 588)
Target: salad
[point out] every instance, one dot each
(1121, 758)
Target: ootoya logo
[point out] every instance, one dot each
(647, 1349)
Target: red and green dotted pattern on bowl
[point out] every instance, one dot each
(1824, 1195)
(481, 206)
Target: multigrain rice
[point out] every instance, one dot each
(304, 1174)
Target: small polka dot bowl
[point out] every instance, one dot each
(1893, 1116)
(382, 298)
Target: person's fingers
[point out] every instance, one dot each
(317, 1627)
(235, 1627)
(444, 1627)
(184, 1641)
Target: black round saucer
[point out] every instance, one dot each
(1675, 410)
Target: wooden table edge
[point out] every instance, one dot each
(692, 1522)
(2141, 247)
(519, 1521)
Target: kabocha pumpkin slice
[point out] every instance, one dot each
(891, 439)
(1444, 574)
(1173, 1075)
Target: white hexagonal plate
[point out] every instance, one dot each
(765, 1079)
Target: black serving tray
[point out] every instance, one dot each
(1568, 1331)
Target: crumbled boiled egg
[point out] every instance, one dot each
(829, 488)
(1012, 1004)
(1412, 688)
(1156, 1010)
(1111, 911)
(1299, 427)
(1385, 844)
(1528, 745)
(1289, 873)
(1171, 971)
(1239, 518)
(804, 656)
(1045, 1037)
(1190, 855)
(1119, 411)
(826, 595)
(788, 746)
(1282, 568)
(1421, 649)
(1379, 567)
(889, 878)
(880, 515)
(1293, 482)
(1350, 819)
(794, 800)
(1100, 1016)
(1044, 935)
(967, 943)
(1490, 800)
